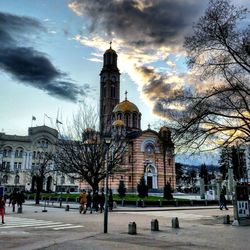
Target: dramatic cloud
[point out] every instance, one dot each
(141, 22)
(148, 36)
(28, 65)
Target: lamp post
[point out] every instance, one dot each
(107, 142)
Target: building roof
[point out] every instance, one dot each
(118, 123)
(126, 106)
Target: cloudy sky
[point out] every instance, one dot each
(51, 55)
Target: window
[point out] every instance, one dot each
(5, 179)
(15, 165)
(130, 178)
(19, 166)
(169, 161)
(134, 120)
(112, 91)
(121, 177)
(62, 180)
(72, 180)
(17, 179)
(16, 153)
(149, 149)
(127, 119)
(34, 155)
(5, 153)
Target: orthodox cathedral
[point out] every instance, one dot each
(150, 153)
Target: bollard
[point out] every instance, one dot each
(175, 223)
(226, 219)
(19, 210)
(67, 208)
(176, 203)
(160, 203)
(132, 228)
(154, 225)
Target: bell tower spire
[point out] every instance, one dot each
(109, 90)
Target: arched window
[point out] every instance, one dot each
(17, 179)
(34, 155)
(112, 91)
(119, 116)
(5, 153)
(134, 120)
(5, 179)
(127, 119)
(149, 149)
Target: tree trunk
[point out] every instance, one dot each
(39, 184)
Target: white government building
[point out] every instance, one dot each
(19, 156)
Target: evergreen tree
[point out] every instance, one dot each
(122, 189)
(224, 161)
(168, 192)
(238, 162)
(142, 188)
(204, 174)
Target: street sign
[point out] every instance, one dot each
(242, 201)
(1, 191)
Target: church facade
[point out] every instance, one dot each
(150, 153)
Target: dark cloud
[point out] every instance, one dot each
(166, 93)
(26, 64)
(142, 23)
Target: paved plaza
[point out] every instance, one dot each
(59, 229)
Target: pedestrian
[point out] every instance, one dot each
(20, 199)
(2, 208)
(82, 201)
(223, 200)
(102, 201)
(96, 201)
(13, 200)
(89, 203)
(110, 200)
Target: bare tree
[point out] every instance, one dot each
(84, 155)
(219, 51)
(43, 165)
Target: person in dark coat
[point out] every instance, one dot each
(20, 199)
(13, 200)
(96, 201)
(223, 201)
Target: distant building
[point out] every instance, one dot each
(20, 156)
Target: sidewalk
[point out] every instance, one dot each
(119, 208)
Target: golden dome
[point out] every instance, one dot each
(118, 123)
(126, 106)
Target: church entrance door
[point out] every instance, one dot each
(149, 182)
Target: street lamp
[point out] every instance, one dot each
(107, 142)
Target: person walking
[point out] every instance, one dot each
(82, 201)
(2, 208)
(223, 200)
(13, 200)
(20, 199)
(96, 201)
(89, 203)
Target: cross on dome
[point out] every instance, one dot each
(126, 93)
(110, 43)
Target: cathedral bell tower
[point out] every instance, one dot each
(109, 90)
